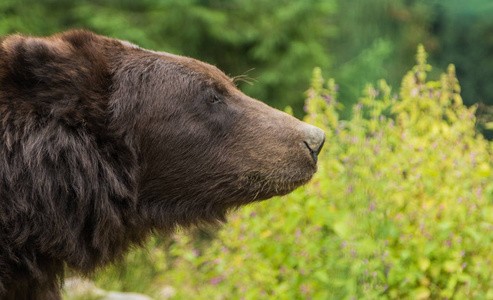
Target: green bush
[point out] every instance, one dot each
(401, 208)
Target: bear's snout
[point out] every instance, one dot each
(314, 139)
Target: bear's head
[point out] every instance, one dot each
(170, 131)
(205, 146)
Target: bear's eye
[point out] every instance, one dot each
(213, 100)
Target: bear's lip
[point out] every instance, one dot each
(269, 186)
(256, 176)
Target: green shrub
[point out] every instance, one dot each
(401, 208)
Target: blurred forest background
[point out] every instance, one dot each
(277, 43)
(402, 204)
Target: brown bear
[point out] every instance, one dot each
(103, 143)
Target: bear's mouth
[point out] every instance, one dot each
(264, 186)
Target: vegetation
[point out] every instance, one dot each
(278, 42)
(401, 208)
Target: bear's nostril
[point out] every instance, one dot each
(314, 140)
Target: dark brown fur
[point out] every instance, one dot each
(102, 142)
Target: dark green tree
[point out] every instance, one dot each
(464, 30)
(277, 43)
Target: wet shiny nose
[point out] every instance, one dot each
(314, 140)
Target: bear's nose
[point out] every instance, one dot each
(314, 139)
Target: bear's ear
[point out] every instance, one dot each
(65, 77)
(32, 60)
(69, 59)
